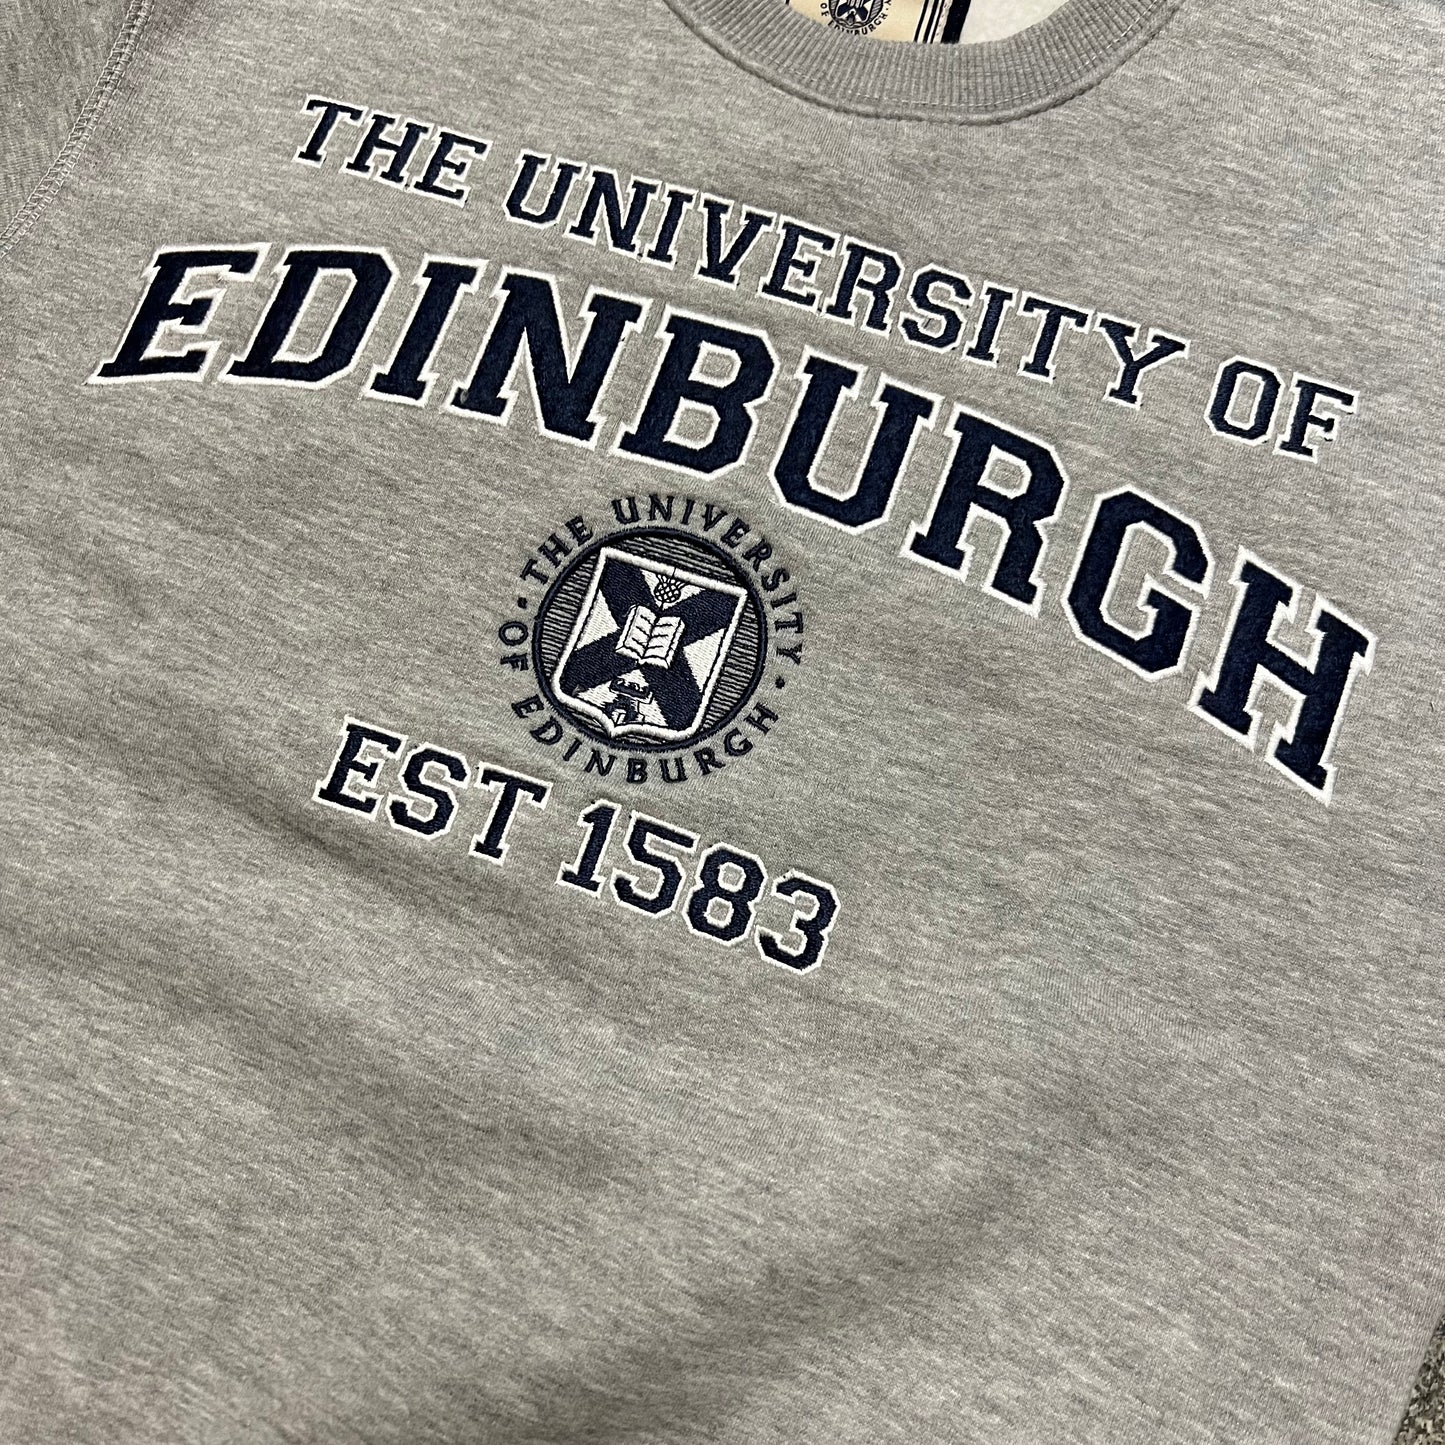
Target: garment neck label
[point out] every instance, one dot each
(943, 22)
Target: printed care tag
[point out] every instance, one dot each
(940, 21)
(916, 20)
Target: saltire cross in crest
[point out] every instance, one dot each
(648, 646)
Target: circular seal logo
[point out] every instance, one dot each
(861, 17)
(654, 639)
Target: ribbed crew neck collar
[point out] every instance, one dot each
(1063, 54)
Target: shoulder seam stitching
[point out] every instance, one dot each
(54, 179)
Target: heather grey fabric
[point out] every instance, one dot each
(1425, 1414)
(52, 55)
(1111, 1112)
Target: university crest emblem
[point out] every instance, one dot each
(648, 647)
